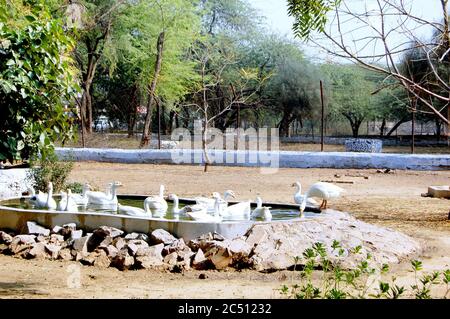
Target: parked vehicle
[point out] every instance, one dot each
(102, 124)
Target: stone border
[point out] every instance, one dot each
(285, 158)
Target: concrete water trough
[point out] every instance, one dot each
(13, 216)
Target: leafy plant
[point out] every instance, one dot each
(37, 80)
(49, 169)
(339, 282)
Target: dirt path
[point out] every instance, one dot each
(391, 200)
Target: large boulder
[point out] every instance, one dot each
(161, 236)
(275, 245)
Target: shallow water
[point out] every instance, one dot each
(277, 213)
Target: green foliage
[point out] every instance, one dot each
(360, 281)
(351, 94)
(310, 15)
(51, 170)
(36, 80)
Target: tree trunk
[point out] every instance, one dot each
(205, 145)
(151, 91)
(355, 130)
(438, 129)
(383, 127)
(395, 127)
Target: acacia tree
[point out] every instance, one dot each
(37, 80)
(351, 94)
(214, 65)
(376, 25)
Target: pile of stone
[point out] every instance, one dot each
(267, 246)
(108, 246)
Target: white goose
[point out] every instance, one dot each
(323, 190)
(100, 198)
(67, 203)
(209, 203)
(157, 204)
(203, 216)
(176, 210)
(260, 211)
(82, 199)
(44, 200)
(298, 197)
(239, 211)
(134, 211)
(40, 196)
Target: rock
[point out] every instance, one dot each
(37, 251)
(35, 229)
(53, 250)
(64, 254)
(240, 247)
(135, 244)
(139, 236)
(221, 258)
(149, 262)
(119, 243)
(57, 229)
(217, 236)
(21, 243)
(123, 260)
(199, 261)
(56, 239)
(67, 230)
(111, 251)
(5, 238)
(171, 258)
(76, 234)
(104, 231)
(202, 276)
(160, 236)
(152, 251)
(70, 226)
(177, 245)
(101, 259)
(41, 239)
(4, 248)
(185, 255)
(255, 236)
(81, 244)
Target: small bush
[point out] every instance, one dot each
(50, 170)
(362, 281)
(75, 187)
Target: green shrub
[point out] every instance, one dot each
(362, 281)
(50, 170)
(75, 187)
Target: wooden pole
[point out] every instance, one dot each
(159, 124)
(83, 143)
(413, 119)
(322, 117)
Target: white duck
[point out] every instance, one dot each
(134, 211)
(82, 199)
(209, 203)
(67, 203)
(239, 211)
(100, 198)
(323, 190)
(176, 210)
(260, 211)
(40, 196)
(44, 200)
(203, 216)
(298, 197)
(157, 204)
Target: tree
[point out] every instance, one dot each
(37, 80)
(351, 94)
(373, 27)
(94, 20)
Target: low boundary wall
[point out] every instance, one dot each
(262, 159)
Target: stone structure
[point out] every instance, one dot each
(363, 145)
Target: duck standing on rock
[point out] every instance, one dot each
(323, 190)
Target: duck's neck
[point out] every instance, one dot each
(299, 189)
(49, 195)
(67, 202)
(217, 207)
(85, 189)
(258, 203)
(161, 191)
(113, 192)
(175, 208)
(147, 208)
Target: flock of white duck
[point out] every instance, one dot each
(213, 209)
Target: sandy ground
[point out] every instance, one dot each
(391, 200)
